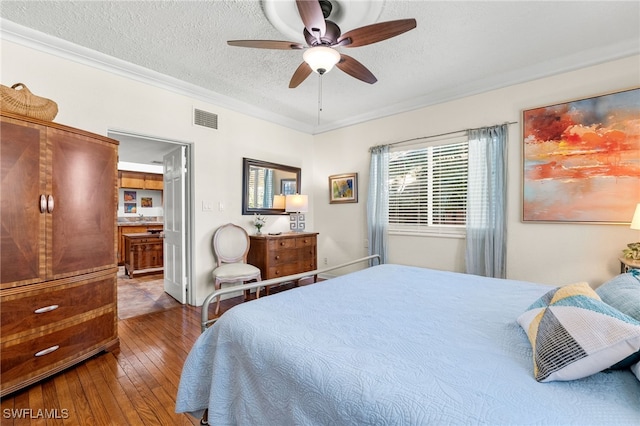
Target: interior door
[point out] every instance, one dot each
(175, 281)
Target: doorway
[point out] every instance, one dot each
(146, 153)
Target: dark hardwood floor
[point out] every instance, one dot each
(135, 384)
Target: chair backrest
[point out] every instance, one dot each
(230, 244)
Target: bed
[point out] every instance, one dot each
(392, 345)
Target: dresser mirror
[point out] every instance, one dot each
(262, 182)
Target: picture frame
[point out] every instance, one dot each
(130, 207)
(580, 160)
(343, 188)
(130, 196)
(288, 186)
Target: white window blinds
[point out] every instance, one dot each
(428, 186)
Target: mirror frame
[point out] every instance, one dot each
(246, 164)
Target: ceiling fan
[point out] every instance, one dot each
(322, 35)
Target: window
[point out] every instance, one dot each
(261, 183)
(428, 187)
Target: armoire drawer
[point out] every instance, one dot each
(22, 359)
(42, 306)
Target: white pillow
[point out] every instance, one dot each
(574, 334)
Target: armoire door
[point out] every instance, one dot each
(84, 186)
(22, 213)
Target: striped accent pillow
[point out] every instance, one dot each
(574, 334)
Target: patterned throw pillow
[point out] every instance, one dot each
(574, 334)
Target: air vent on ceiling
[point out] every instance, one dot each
(205, 119)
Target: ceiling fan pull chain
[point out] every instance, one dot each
(319, 96)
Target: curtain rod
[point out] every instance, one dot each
(435, 136)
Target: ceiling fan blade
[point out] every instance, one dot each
(267, 44)
(312, 17)
(300, 75)
(356, 69)
(376, 32)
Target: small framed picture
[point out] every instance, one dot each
(288, 186)
(343, 188)
(129, 196)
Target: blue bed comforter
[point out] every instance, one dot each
(390, 345)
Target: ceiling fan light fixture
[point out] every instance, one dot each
(321, 59)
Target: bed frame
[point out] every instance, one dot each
(206, 322)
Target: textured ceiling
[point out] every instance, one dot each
(458, 49)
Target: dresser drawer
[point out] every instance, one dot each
(22, 359)
(302, 242)
(282, 257)
(31, 310)
(281, 244)
(292, 268)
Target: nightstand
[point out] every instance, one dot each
(628, 264)
(284, 254)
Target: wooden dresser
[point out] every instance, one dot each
(58, 270)
(143, 252)
(133, 228)
(285, 254)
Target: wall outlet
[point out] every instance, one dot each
(366, 243)
(207, 206)
(325, 261)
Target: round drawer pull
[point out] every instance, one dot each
(47, 351)
(46, 309)
(277, 257)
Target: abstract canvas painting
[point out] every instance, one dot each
(582, 160)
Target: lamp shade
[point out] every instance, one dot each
(297, 203)
(321, 58)
(278, 201)
(635, 222)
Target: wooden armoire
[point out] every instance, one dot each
(58, 267)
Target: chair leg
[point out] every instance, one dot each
(217, 310)
(217, 285)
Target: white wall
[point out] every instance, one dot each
(95, 100)
(547, 253)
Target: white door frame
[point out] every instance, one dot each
(189, 203)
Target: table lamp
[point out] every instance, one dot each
(278, 202)
(296, 204)
(633, 250)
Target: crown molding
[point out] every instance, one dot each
(37, 40)
(28, 37)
